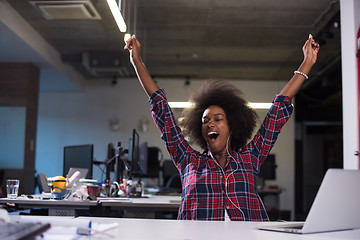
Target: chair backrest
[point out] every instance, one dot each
(171, 176)
(174, 182)
(169, 168)
(42, 183)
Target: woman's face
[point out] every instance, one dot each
(215, 129)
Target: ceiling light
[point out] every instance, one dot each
(181, 104)
(254, 105)
(117, 15)
(259, 105)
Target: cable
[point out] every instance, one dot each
(227, 149)
(102, 171)
(109, 160)
(226, 178)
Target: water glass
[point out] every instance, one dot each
(12, 188)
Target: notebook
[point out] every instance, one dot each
(336, 205)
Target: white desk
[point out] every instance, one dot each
(158, 202)
(142, 207)
(179, 229)
(135, 229)
(147, 207)
(55, 207)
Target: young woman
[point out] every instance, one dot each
(220, 183)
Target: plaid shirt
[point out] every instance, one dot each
(207, 188)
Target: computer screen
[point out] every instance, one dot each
(110, 161)
(79, 156)
(268, 168)
(149, 161)
(133, 154)
(143, 158)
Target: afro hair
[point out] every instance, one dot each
(241, 118)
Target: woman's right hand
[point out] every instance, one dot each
(134, 47)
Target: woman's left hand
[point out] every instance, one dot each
(310, 50)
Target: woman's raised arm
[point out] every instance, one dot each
(310, 50)
(148, 84)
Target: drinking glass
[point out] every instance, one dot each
(12, 188)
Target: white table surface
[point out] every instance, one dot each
(135, 229)
(48, 202)
(149, 202)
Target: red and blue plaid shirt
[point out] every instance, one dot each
(207, 188)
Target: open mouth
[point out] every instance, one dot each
(213, 136)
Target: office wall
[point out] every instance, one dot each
(82, 118)
(27, 45)
(350, 23)
(12, 135)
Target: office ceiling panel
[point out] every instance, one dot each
(200, 39)
(232, 39)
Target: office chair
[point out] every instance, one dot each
(171, 176)
(173, 182)
(42, 184)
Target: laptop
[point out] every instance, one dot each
(336, 206)
(83, 172)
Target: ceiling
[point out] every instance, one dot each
(231, 39)
(227, 39)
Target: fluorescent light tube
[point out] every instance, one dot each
(181, 104)
(254, 105)
(117, 15)
(260, 105)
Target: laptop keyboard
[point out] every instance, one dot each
(21, 230)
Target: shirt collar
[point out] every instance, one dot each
(213, 162)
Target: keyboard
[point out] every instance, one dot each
(22, 230)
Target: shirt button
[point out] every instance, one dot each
(227, 207)
(222, 191)
(221, 176)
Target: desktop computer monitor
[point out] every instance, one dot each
(131, 162)
(110, 161)
(133, 152)
(143, 159)
(149, 161)
(78, 156)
